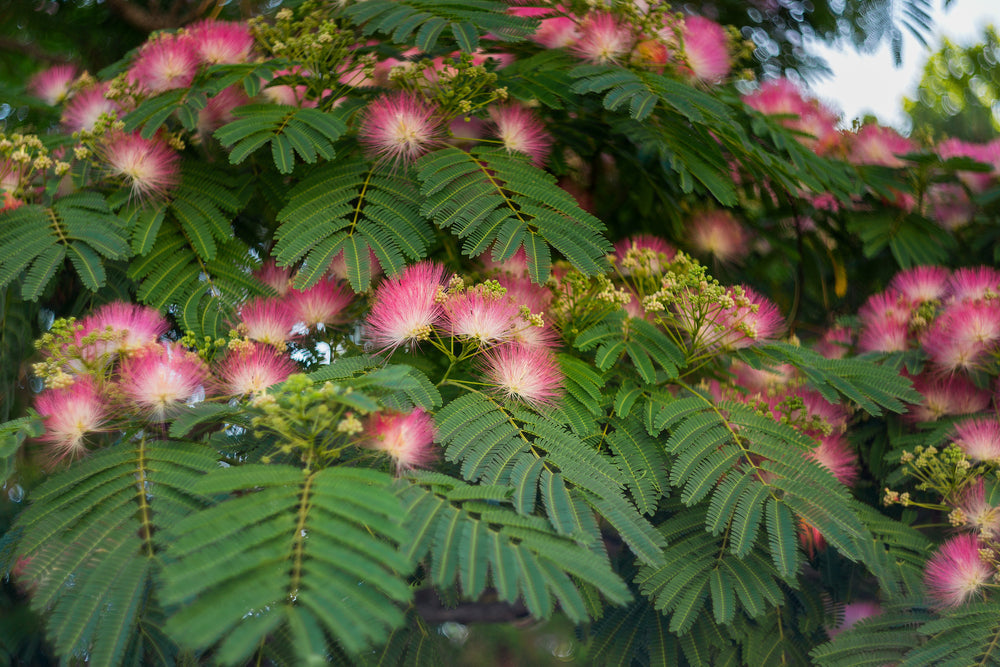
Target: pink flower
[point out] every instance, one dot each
(519, 372)
(338, 266)
(836, 455)
(956, 573)
(853, 613)
(407, 438)
(835, 343)
(985, 153)
(268, 321)
(406, 307)
(320, 304)
(167, 61)
(520, 131)
(979, 439)
(159, 378)
(719, 234)
(921, 283)
(644, 254)
(515, 265)
(523, 292)
(86, 106)
(52, 84)
(885, 335)
(980, 516)
(278, 279)
(132, 327)
(874, 144)
(889, 305)
(399, 127)
(253, 370)
(482, 317)
(963, 334)
(781, 96)
(70, 413)
(754, 318)
(149, 166)
(950, 206)
(706, 49)
(219, 109)
(557, 32)
(603, 39)
(221, 42)
(952, 395)
(973, 284)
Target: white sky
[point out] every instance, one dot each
(872, 84)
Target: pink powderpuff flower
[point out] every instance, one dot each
(221, 42)
(406, 307)
(835, 342)
(134, 326)
(854, 612)
(956, 574)
(836, 455)
(782, 97)
(950, 206)
(979, 515)
(515, 265)
(603, 39)
(523, 373)
(520, 131)
(157, 379)
(762, 380)
(482, 317)
(962, 335)
(338, 266)
(887, 335)
(706, 49)
(973, 284)
(889, 305)
(643, 253)
(557, 32)
(756, 318)
(408, 438)
(976, 181)
(719, 234)
(52, 84)
(951, 395)
(321, 304)
(833, 414)
(167, 61)
(874, 144)
(399, 127)
(278, 279)
(149, 166)
(523, 292)
(268, 321)
(70, 413)
(921, 283)
(979, 438)
(85, 108)
(219, 109)
(252, 369)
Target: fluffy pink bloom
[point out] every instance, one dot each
(885, 335)
(406, 310)
(156, 379)
(952, 395)
(278, 279)
(52, 84)
(854, 612)
(149, 166)
(320, 304)
(963, 334)
(835, 343)
(980, 516)
(874, 144)
(719, 234)
(69, 414)
(781, 96)
(973, 284)
(294, 96)
(268, 321)
(950, 206)
(253, 370)
(515, 265)
(754, 380)
(756, 319)
(603, 39)
(629, 250)
(221, 42)
(979, 439)
(921, 283)
(558, 32)
(167, 61)
(955, 574)
(338, 266)
(399, 127)
(133, 327)
(482, 317)
(836, 455)
(523, 292)
(407, 438)
(86, 106)
(219, 109)
(520, 372)
(520, 131)
(888, 305)
(985, 153)
(706, 49)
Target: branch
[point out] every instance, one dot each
(32, 50)
(144, 19)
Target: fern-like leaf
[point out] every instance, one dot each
(309, 133)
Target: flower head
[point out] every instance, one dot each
(221, 42)
(963, 334)
(408, 438)
(874, 144)
(480, 316)
(753, 318)
(921, 283)
(252, 369)
(979, 439)
(69, 414)
(603, 39)
(406, 307)
(149, 166)
(399, 127)
(643, 254)
(85, 107)
(885, 335)
(973, 284)
(52, 84)
(320, 304)
(278, 279)
(167, 61)
(705, 49)
(781, 96)
(219, 109)
(158, 378)
(835, 454)
(956, 573)
(268, 321)
(978, 513)
(521, 132)
(951, 395)
(719, 234)
(132, 328)
(520, 372)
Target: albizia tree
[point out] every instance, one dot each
(363, 310)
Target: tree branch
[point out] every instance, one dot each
(32, 50)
